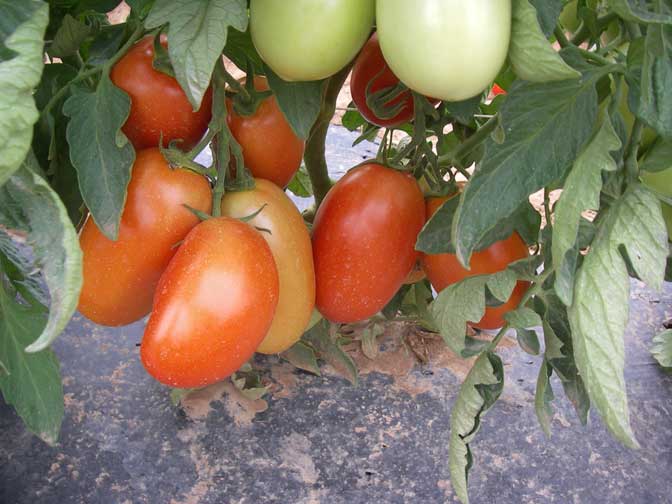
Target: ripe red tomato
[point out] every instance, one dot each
(271, 150)
(370, 67)
(290, 243)
(120, 276)
(158, 104)
(363, 241)
(497, 90)
(445, 269)
(213, 306)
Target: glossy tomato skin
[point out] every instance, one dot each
(661, 181)
(305, 40)
(290, 244)
(449, 49)
(364, 235)
(445, 269)
(213, 306)
(158, 104)
(270, 148)
(120, 276)
(370, 67)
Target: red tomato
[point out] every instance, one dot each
(363, 241)
(158, 104)
(496, 90)
(271, 150)
(370, 67)
(120, 276)
(213, 306)
(445, 269)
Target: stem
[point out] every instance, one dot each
(584, 32)
(470, 143)
(314, 157)
(203, 143)
(591, 56)
(547, 206)
(560, 36)
(632, 151)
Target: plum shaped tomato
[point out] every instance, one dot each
(445, 269)
(363, 241)
(661, 181)
(271, 149)
(158, 104)
(449, 49)
(213, 305)
(371, 70)
(120, 276)
(305, 40)
(290, 244)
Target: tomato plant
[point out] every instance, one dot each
(159, 106)
(661, 181)
(271, 149)
(289, 241)
(363, 238)
(120, 276)
(214, 304)
(305, 41)
(441, 49)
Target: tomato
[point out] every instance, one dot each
(213, 306)
(661, 181)
(158, 104)
(305, 40)
(445, 269)
(120, 276)
(363, 241)
(291, 247)
(270, 148)
(449, 49)
(370, 68)
(497, 90)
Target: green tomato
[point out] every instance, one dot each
(304, 40)
(446, 49)
(661, 182)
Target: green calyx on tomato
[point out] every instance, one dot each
(304, 40)
(441, 49)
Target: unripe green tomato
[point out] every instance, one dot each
(305, 40)
(661, 182)
(447, 49)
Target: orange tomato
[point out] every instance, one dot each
(290, 244)
(120, 276)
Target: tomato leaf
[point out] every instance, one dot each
(532, 56)
(196, 37)
(464, 302)
(480, 390)
(543, 398)
(300, 102)
(100, 152)
(582, 192)
(532, 155)
(20, 271)
(302, 356)
(32, 381)
(330, 350)
(521, 320)
(69, 37)
(599, 313)
(21, 66)
(30, 205)
(662, 348)
(300, 184)
(655, 101)
(658, 158)
(548, 12)
(638, 11)
(240, 49)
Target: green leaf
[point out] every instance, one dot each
(196, 37)
(33, 382)
(599, 313)
(662, 348)
(464, 302)
(300, 102)
(323, 339)
(302, 356)
(548, 12)
(480, 390)
(240, 49)
(658, 158)
(69, 37)
(300, 184)
(582, 192)
(532, 56)
(638, 11)
(20, 271)
(532, 155)
(655, 102)
(100, 152)
(22, 28)
(543, 398)
(30, 205)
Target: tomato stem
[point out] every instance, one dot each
(456, 157)
(314, 156)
